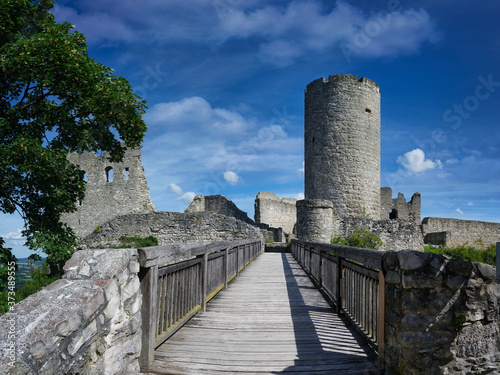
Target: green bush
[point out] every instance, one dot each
(127, 242)
(359, 238)
(469, 253)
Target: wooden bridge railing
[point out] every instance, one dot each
(353, 279)
(178, 280)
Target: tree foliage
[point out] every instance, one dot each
(54, 99)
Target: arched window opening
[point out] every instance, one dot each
(126, 174)
(393, 215)
(85, 177)
(109, 174)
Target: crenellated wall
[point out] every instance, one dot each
(399, 208)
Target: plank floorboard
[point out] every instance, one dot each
(270, 320)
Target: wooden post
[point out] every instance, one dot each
(338, 294)
(320, 275)
(204, 282)
(237, 260)
(381, 318)
(226, 267)
(149, 312)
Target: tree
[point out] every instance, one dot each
(54, 99)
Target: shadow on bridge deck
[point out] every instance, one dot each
(270, 320)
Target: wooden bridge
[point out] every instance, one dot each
(276, 317)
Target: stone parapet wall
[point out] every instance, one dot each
(399, 208)
(276, 212)
(89, 322)
(442, 315)
(395, 234)
(461, 232)
(170, 227)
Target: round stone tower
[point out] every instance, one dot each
(342, 144)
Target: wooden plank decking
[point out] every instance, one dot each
(270, 320)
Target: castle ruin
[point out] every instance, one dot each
(112, 189)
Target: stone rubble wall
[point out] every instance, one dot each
(442, 315)
(170, 227)
(409, 211)
(461, 232)
(395, 234)
(88, 322)
(276, 212)
(218, 204)
(104, 200)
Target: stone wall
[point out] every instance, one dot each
(89, 322)
(342, 144)
(276, 212)
(112, 189)
(395, 234)
(170, 227)
(398, 208)
(217, 204)
(461, 231)
(315, 220)
(442, 315)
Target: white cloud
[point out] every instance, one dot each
(282, 33)
(458, 211)
(302, 170)
(175, 188)
(187, 197)
(231, 177)
(415, 162)
(14, 235)
(469, 204)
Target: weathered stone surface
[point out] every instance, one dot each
(443, 317)
(69, 326)
(112, 189)
(170, 227)
(217, 204)
(276, 212)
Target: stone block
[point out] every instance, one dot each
(82, 338)
(410, 260)
(486, 271)
(392, 277)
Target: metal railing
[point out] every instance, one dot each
(178, 280)
(353, 279)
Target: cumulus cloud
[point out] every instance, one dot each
(231, 177)
(14, 235)
(175, 188)
(469, 204)
(458, 211)
(299, 196)
(187, 197)
(302, 170)
(415, 162)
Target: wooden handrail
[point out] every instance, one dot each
(357, 289)
(177, 281)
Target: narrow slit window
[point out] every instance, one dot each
(126, 174)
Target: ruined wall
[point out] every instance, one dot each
(276, 212)
(398, 208)
(89, 322)
(442, 315)
(342, 144)
(395, 234)
(112, 189)
(171, 227)
(460, 232)
(217, 204)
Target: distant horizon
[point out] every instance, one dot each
(225, 79)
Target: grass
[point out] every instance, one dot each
(469, 253)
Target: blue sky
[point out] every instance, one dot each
(225, 79)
